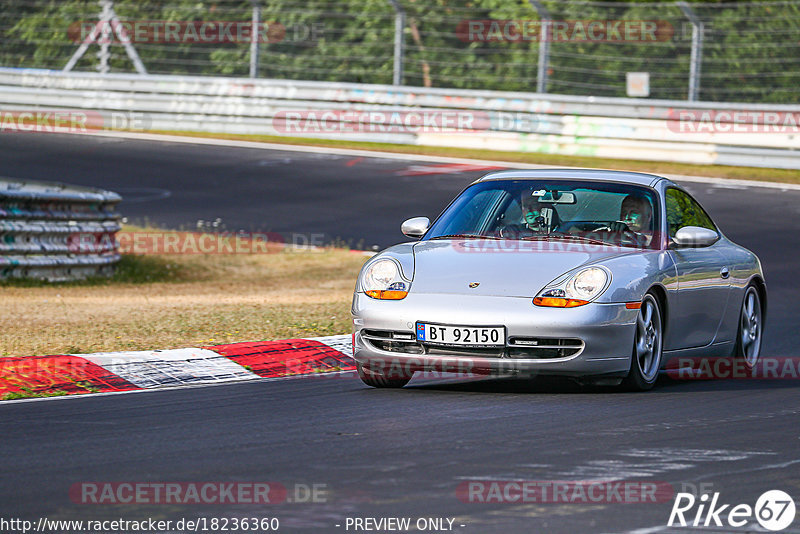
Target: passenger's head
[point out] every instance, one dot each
(637, 213)
(530, 208)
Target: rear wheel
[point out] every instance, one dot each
(647, 346)
(375, 379)
(748, 340)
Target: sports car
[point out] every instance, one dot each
(601, 276)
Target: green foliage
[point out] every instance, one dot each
(683, 211)
(750, 52)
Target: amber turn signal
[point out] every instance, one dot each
(559, 302)
(387, 295)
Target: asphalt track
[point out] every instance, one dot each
(393, 453)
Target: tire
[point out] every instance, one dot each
(375, 379)
(648, 346)
(748, 336)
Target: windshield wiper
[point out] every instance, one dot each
(468, 236)
(548, 237)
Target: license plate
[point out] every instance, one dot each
(472, 336)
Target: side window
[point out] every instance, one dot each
(683, 210)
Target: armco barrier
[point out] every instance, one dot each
(661, 130)
(56, 232)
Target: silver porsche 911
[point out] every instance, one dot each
(596, 275)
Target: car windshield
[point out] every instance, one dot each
(601, 212)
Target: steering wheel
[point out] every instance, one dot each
(627, 236)
(515, 231)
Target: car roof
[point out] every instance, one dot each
(628, 177)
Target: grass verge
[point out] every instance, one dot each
(789, 176)
(173, 301)
(28, 393)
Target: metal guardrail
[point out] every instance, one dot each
(559, 124)
(56, 232)
(701, 50)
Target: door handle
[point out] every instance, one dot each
(724, 272)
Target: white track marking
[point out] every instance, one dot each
(728, 472)
(749, 528)
(649, 462)
(150, 369)
(649, 530)
(732, 183)
(164, 388)
(343, 343)
(189, 367)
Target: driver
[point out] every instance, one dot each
(635, 215)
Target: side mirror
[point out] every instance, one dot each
(415, 227)
(695, 236)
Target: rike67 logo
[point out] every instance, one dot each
(774, 510)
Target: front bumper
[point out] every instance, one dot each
(605, 330)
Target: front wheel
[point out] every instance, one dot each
(376, 379)
(647, 346)
(748, 340)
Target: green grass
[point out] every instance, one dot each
(190, 300)
(131, 269)
(28, 393)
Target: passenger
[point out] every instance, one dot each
(537, 217)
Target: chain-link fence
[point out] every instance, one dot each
(742, 51)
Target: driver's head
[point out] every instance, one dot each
(636, 212)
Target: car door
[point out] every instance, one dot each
(703, 276)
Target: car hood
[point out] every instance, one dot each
(500, 268)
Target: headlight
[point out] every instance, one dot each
(580, 289)
(379, 275)
(587, 284)
(382, 280)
